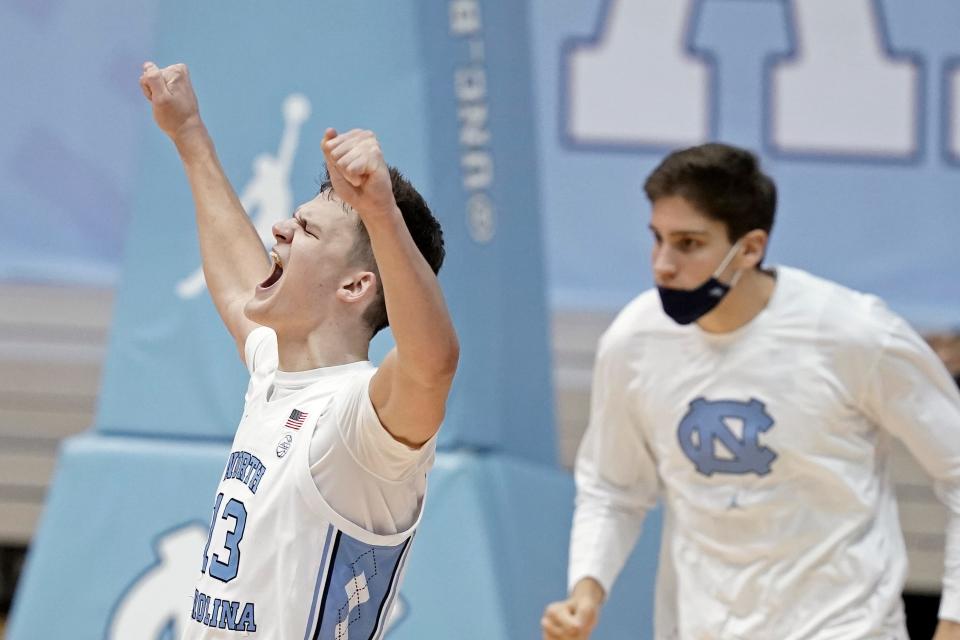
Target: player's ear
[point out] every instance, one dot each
(357, 286)
(753, 246)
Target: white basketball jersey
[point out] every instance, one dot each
(278, 561)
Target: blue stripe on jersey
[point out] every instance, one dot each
(387, 605)
(316, 590)
(360, 580)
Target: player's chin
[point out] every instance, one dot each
(260, 310)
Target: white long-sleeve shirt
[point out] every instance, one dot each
(770, 448)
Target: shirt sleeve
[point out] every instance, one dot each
(261, 356)
(910, 393)
(367, 439)
(615, 476)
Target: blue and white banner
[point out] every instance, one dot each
(484, 166)
(854, 107)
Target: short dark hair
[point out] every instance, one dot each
(423, 227)
(723, 182)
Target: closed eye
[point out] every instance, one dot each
(303, 225)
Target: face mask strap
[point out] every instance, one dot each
(736, 278)
(726, 261)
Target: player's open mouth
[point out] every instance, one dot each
(275, 274)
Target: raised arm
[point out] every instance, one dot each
(234, 260)
(409, 392)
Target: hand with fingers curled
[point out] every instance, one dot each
(171, 94)
(575, 617)
(358, 172)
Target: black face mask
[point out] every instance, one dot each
(689, 305)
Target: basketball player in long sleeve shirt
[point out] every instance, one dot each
(759, 405)
(325, 483)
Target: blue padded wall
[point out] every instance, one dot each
(122, 539)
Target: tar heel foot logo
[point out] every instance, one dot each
(269, 192)
(284, 445)
(152, 608)
(708, 439)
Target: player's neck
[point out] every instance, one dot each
(322, 347)
(742, 304)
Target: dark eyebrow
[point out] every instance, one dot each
(681, 232)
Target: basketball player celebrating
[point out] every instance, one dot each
(323, 489)
(759, 404)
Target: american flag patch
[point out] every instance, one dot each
(295, 421)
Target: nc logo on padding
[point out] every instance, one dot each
(707, 439)
(155, 605)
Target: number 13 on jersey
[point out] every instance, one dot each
(223, 562)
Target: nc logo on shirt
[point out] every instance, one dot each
(708, 440)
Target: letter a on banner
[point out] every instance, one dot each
(637, 83)
(841, 92)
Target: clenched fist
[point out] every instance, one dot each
(359, 175)
(174, 102)
(575, 617)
